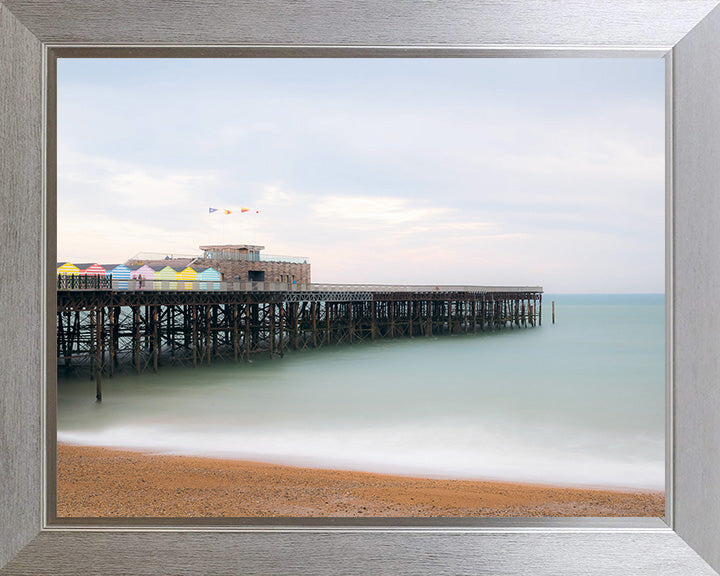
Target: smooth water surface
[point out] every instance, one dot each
(579, 402)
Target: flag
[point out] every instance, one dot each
(228, 212)
(213, 210)
(243, 210)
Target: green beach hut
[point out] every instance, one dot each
(167, 274)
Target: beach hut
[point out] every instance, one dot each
(167, 275)
(189, 275)
(67, 273)
(91, 269)
(67, 269)
(205, 275)
(120, 275)
(145, 274)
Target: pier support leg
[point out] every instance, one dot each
(313, 313)
(282, 329)
(156, 338)
(208, 338)
(247, 331)
(540, 312)
(236, 343)
(136, 337)
(392, 319)
(98, 356)
(194, 336)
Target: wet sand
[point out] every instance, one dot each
(99, 482)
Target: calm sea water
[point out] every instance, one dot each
(580, 402)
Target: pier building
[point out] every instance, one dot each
(236, 263)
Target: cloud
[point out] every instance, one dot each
(275, 196)
(375, 211)
(127, 185)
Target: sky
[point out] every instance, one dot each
(535, 172)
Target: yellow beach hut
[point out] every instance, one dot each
(67, 268)
(67, 274)
(189, 276)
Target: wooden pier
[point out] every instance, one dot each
(106, 330)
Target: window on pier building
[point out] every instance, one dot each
(256, 275)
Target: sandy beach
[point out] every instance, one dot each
(99, 482)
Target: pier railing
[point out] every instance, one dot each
(285, 259)
(84, 282)
(69, 282)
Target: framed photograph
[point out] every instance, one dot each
(408, 373)
(683, 33)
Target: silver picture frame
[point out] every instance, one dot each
(684, 32)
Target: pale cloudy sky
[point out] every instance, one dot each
(415, 171)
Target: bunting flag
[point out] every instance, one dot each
(242, 210)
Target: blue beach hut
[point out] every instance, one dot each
(205, 275)
(119, 272)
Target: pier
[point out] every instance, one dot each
(107, 325)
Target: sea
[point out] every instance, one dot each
(580, 402)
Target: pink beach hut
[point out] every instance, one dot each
(91, 269)
(145, 274)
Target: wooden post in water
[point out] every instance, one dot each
(553, 311)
